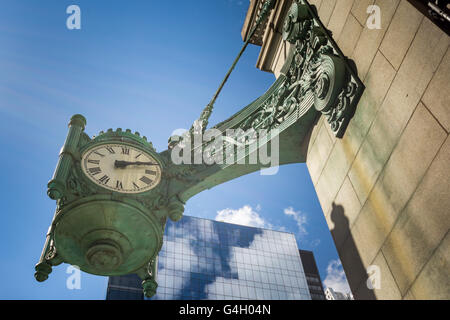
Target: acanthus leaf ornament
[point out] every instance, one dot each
(320, 67)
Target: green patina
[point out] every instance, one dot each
(109, 232)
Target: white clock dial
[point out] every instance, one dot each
(121, 168)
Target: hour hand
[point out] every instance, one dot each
(123, 164)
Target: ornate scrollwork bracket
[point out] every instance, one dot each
(318, 70)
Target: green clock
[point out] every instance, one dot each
(112, 205)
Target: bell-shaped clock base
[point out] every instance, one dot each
(107, 237)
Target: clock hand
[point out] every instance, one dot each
(123, 164)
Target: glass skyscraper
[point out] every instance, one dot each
(206, 259)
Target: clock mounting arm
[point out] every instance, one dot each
(316, 80)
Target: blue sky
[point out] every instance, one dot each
(150, 66)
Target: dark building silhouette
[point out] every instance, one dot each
(127, 287)
(312, 275)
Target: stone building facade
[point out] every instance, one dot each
(385, 186)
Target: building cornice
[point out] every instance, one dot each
(269, 34)
(253, 12)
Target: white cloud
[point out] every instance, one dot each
(336, 278)
(245, 216)
(249, 216)
(299, 217)
(314, 243)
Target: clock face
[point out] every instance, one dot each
(121, 168)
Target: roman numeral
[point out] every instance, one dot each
(140, 154)
(110, 149)
(104, 179)
(119, 185)
(94, 161)
(136, 186)
(101, 155)
(125, 150)
(150, 172)
(146, 180)
(95, 170)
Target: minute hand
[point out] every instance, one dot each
(123, 164)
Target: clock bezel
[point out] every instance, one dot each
(96, 144)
